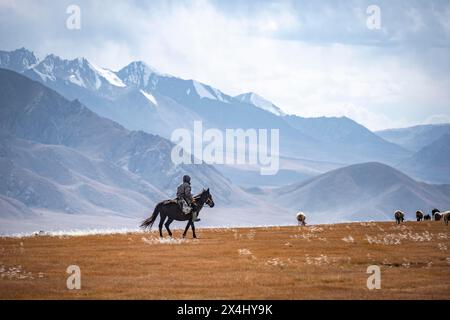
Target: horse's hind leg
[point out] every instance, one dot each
(169, 221)
(161, 222)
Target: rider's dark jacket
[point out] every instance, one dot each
(184, 192)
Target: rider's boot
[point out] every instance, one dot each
(194, 217)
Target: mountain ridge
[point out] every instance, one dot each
(416, 137)
(181, 102)
(41, 115)
(431, 163)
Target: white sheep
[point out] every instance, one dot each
(446, 216)
(301, 218)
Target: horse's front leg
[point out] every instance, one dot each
(193, 230)
(187, 228)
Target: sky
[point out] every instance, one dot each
(310, 58)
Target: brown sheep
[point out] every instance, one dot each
(419, 215)
(436, 214)
(399, 216)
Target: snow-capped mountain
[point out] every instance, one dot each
(58, 158)
(31, 111)
(112, 157)
(141, 98)
(256, 100)
(18, 60)
(79, 72)
(136, 74)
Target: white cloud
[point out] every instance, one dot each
(437, 118)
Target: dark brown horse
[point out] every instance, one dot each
(171, 210)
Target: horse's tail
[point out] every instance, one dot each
(148, 223)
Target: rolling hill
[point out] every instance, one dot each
(57, 156)
(368, 191)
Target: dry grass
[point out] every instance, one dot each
(315, 262)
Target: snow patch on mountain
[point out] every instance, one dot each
(43, 76)
(207, 92)
(202, 91)
(110, 76)
(260, 102)
(77, 79)
(149, 97)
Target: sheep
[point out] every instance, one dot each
(446, 216)
(419, 215)
(436, 214)
(399, 216)
(301, 218)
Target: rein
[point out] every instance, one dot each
(198, 197)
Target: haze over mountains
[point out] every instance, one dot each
(72, 152)
(417, 137)
(58, 156)
(430, 161)
(371, 190)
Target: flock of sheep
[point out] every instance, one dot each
(435, 213)
(399, 216)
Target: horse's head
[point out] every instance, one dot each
(208, 198)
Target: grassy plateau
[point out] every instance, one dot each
(312, 262)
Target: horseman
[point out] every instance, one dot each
(185, 199)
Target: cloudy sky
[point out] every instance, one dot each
(310, 58)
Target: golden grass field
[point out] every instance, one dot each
(313, 262)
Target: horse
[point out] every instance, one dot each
(419, 215)
(301, 218)
(399, 216)
(436, 214)
(170, 209)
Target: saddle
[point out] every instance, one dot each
(185, 208)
